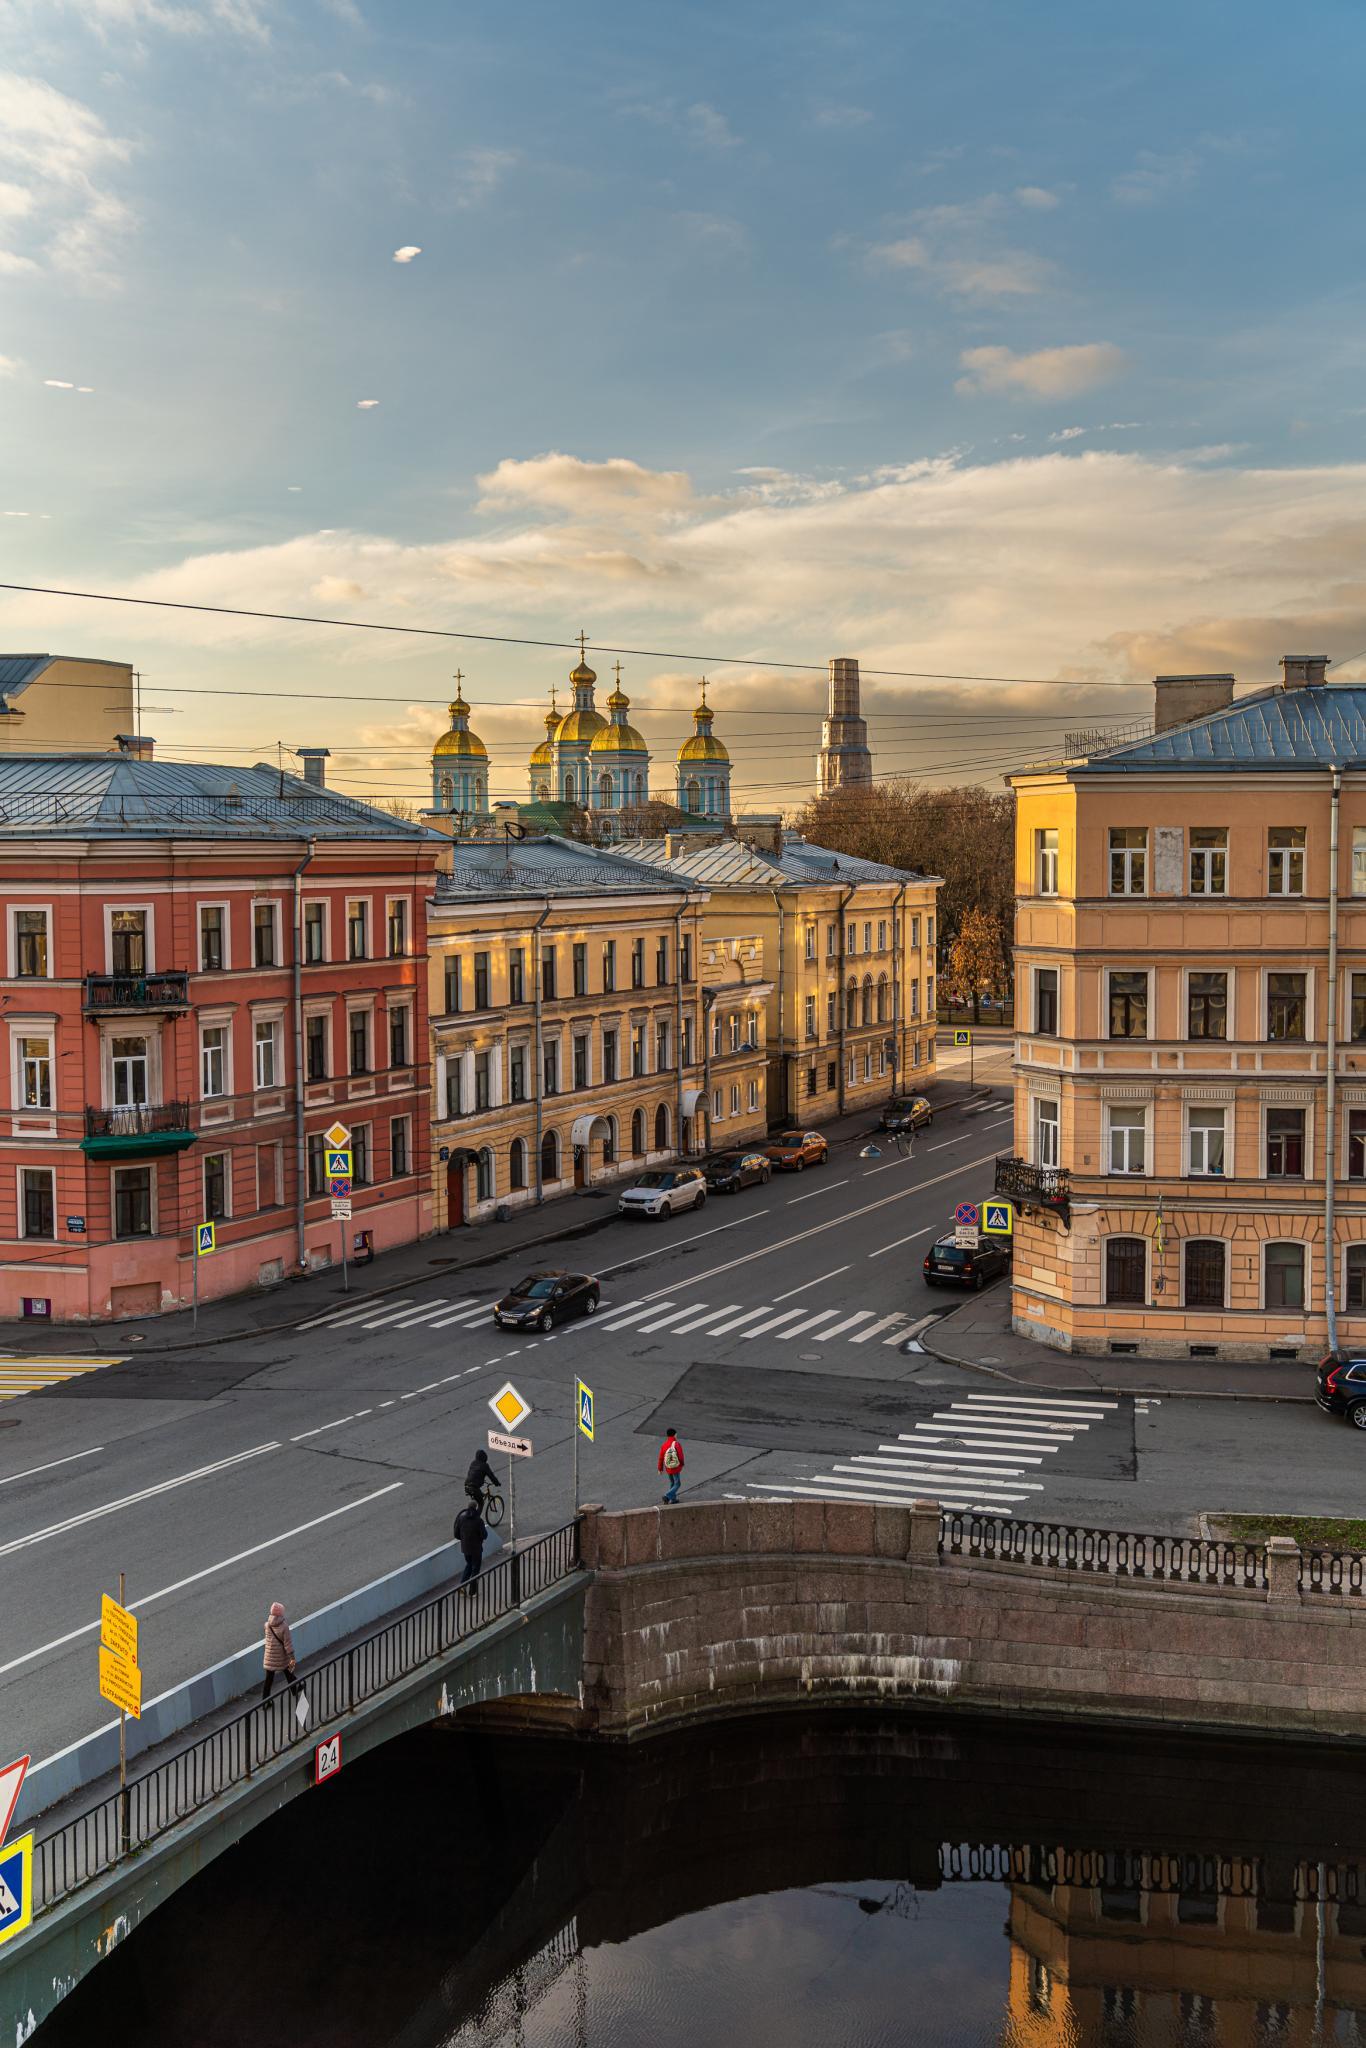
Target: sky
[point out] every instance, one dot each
(971, 339)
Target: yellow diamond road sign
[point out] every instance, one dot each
(337, 1136)
(508, 1405)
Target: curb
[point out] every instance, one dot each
(993, 1372)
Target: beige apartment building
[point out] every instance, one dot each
(584, 1025)
(1190, 1080)
(64, 704)
(851, 946)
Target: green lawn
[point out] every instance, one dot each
(1311, 1532)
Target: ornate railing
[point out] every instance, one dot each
(1333, 1571)
(1196, 1873)
(1191, 1560)
(1034, 1187)
(137, 1119)
(137, 992)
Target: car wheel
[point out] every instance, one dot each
(799, 1166)
(701, 1201)
(979, 1281)
(545, 1320)
(765, 1177)
(590, 1307)
(1356, 1415)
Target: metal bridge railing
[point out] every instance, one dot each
(183, 1784)
(1193, 1560)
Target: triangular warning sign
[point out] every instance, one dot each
(8, 1903)
(11, 1779)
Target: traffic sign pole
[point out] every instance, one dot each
(194, 1312)
(576, 1452)
(123, 1717)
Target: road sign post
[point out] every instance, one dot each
(511, 1409)
(205, 1241)
(338, 1163)
(583, 1425)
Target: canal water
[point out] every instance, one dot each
(848, 1881)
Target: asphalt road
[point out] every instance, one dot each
(777, 1331)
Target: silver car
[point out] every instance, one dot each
(663, 1191)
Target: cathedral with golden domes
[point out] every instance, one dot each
(587, 762)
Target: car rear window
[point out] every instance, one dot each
(953, 1254)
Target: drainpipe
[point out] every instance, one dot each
(1330, 1190)
(300, 1141)
(776, 894)
(842, 1008)
(540, 1050)
(898, 926)
(678, 1024)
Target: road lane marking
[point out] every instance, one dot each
(129, 1500)
(671, 1243)
(864, 1315)
(810, 1283)
(886, 1323)
(849, 1489)
(1078, 1406)
(987, 1440)
(411, 1317)
(633, 1315)
(336, 1317)
(800, 1329)
(472, 1318)
(33, 1470)
(1004, 1485)
(817, 1191)
(788, 1315)
(736, 1322)
(917, 1447)
(659, 1322)
(711, 1315)
(903, 1240)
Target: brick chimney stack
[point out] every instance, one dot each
(1179, 699)
(845, 756)
(1304, 671)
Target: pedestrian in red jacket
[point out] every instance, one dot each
(671, 1463)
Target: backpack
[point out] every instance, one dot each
(672, 1460)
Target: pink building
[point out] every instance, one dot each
(184, 944)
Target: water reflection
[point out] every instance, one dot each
(851, 1882)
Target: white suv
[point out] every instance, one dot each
(664, 1191)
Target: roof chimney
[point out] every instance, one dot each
(313, 759)
(1304, 671)
(135, 745)
(1179, 699)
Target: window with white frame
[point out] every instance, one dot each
(882, 935)
(831, 941)
(717, 1106)
(1356, 1276)
(735, 1098)
(128, 948)
(398, 1037)
(1209, 860)
(1128, 1137)
(315, 933)
(1285, 860)
(213, 1060)
(1205, 1140)
(358, 1040)
(1286, 1006)
(1046, 1123)
(37, 1201)
(810, 941)
(1283, 1276)
(397, 922)
(1046, 1001)
(1128, 860)
(215, 1166)
(317, 1032)
(128, 1072)
(30, 945)
(213, 937)
(357, 929)
(399, 1146)
(1046, 861)
(266, 1037)
(1128, 1003)
(265, 934)
(35, 1072)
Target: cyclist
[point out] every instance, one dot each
(479, 1477)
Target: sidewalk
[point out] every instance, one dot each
(978, 1335)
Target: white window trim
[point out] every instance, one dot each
(1230, 1125)
(361, 1006)
(407, 903)
(150, 933)
(401, 1006)
(1307, 1307)
(324, 904)
(1307, 1110)
(1310, 1004)
(1108, 973)
(1045, 1102)
(1207, 853)
(1044, 967)
(1126, 853)
(25, 1166)
(367, 1132)
(1284, 895)
(411, 1168)
(1123, 1173)
(226, 1156)
(272, 904)
(369, 902)
(273, 1021)
(32, 1027)
(1207, 1237)
(134, 1166)
(112, 1028)
(13, 927)
(1352, 1243)
(209, 1021)
(1147, 1269)
(212, 903)
(1036, 879)
(1230, 975)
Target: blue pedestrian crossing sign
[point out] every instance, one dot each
(205, 1239)
(998, 1219)
(962, 1038)
(16, 1887)
(338, 1164)
(584, 1397)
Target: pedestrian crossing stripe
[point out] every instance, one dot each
(16, 1887)
(30, 1375)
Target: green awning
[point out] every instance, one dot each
(138, 1145)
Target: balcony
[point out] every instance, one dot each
(1035, 1187)
(121, 994)
(137, 1131)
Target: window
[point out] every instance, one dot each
(517, 1073)
(1128, 1004)
(637, 1133)
(609, 1143)
(357, 922)
(580, 969)
(358, 1040)
(882, 935)
(609, 966)
(913, 991)
(662, 1128)
(717, 1106)
(37, 1202)
(548, 975)
(663, 1059)
(685, 958)
(517, 1165)
(929, 995)
(1046, 862)
(551, 1069)
(687, 1047)
(1356, 1144)
(398, 1147)
(1045, 1001)
(128, 941)
(1128, 1130)
(483, 1176)
(581, 1063)
(1285, 860)
(831, 941)
(1356, 1276)
(398, 1038)
(868, 938)
(1284, 1270)
(809, 942)
(810, 1011)
(360, 1155)
(215, 1165)
(132, 1201)
(516, 975)
(851, 938)
(30, 944)
(455, 1086)
(398, 927)
(550, 1156)
(638, 964)
(1046, 1116)
(1207, 1006)
(832, 1074)
(266, 1039)
(211, 932)
(734, 1098)
(481, 981)
(315, 933)
(811, 1080)
(1285, 1006)
(661, 960)
(716, 1034)
(1209, 860)
(315, 1048)
(263, 948)
(915, 931)
(213, 1060)
(454, 979)
(1128, 860)
(609, 1054)
(35, 1073)
(867, 1065)
(1126, 1270)
(482, 1081)
(831, 1002)
(1285, 1144)
(317, 1179)
(1205, 1135)
(638, 1049)
(1205, 1260)
(754, 1095)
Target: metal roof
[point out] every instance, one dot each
(547, 867)
(1276, 728)
(18, 670)
(59, 796)
(731, 863)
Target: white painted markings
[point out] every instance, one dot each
(26, 1375)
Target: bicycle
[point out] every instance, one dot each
(490, 1506)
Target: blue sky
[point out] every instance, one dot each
(970, 337)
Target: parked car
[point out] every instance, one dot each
(795, 1150)
(950, 1265)
(663, 1191)
(907, 1113)
(1341, 1389)
(543, 1299)
(728, 1171)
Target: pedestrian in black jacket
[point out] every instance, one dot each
(479, 1476)
(469, 1534)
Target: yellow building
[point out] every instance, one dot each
(64, 704)
(582, 1026)
(1190, 1078)
(851, 947)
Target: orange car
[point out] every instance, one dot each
(795, 1150)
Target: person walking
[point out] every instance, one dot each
(480, 1476)
(470, 1534)
(279, 1652)
(671, 1463)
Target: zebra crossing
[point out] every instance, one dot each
(642, 1318)
(436, 1314)
(988, 1452)
(27, 1375)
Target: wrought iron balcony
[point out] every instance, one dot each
(123, 992)
(1034, 1187)
(137, 1130)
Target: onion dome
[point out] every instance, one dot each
(584, 722)
(460, 740)
(704, 745)
(544, 755)
(620, 737)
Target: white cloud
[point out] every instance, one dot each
(10, 366)
(1037, 197)
(407, 252)
(55, 154)
(957, 248)
(565, 483)
(700, 123)
(59, 384)
(478, 172)
(293, 487)
(1067, 433)
(366, 404)
(107, 18)
(1154, 177)
(1044, 373)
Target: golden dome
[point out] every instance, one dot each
(618, 739)
(543, 756)
(583, 673)
(579, 725)
(702, 747)
(467, 743)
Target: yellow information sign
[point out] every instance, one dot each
(120, 1682)
(118, 1629)
(337, 1136)
(508, 1405)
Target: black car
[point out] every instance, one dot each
(543, 1299)
(729, 1171)
(1341, 1389)
(907, 1113)
(950, 1265)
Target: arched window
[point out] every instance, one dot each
(640, 789)
(479, 792)
(1284, 1270)
(517, 1164)
(638, 1134)
(1126, 1270)
(543, 792)
(867, 998)
(1205, 1259)
(483, 1176)
(851, 1006)
(569, 789)
(550, 1156)
(609, 1143)
(882, 999)
(693, 794)
(605, 791)
(662, 1128)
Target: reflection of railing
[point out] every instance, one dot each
(1192, 1560)
(137, 991)
(137, 1120)
(195, 1777)
(1194, 1873)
